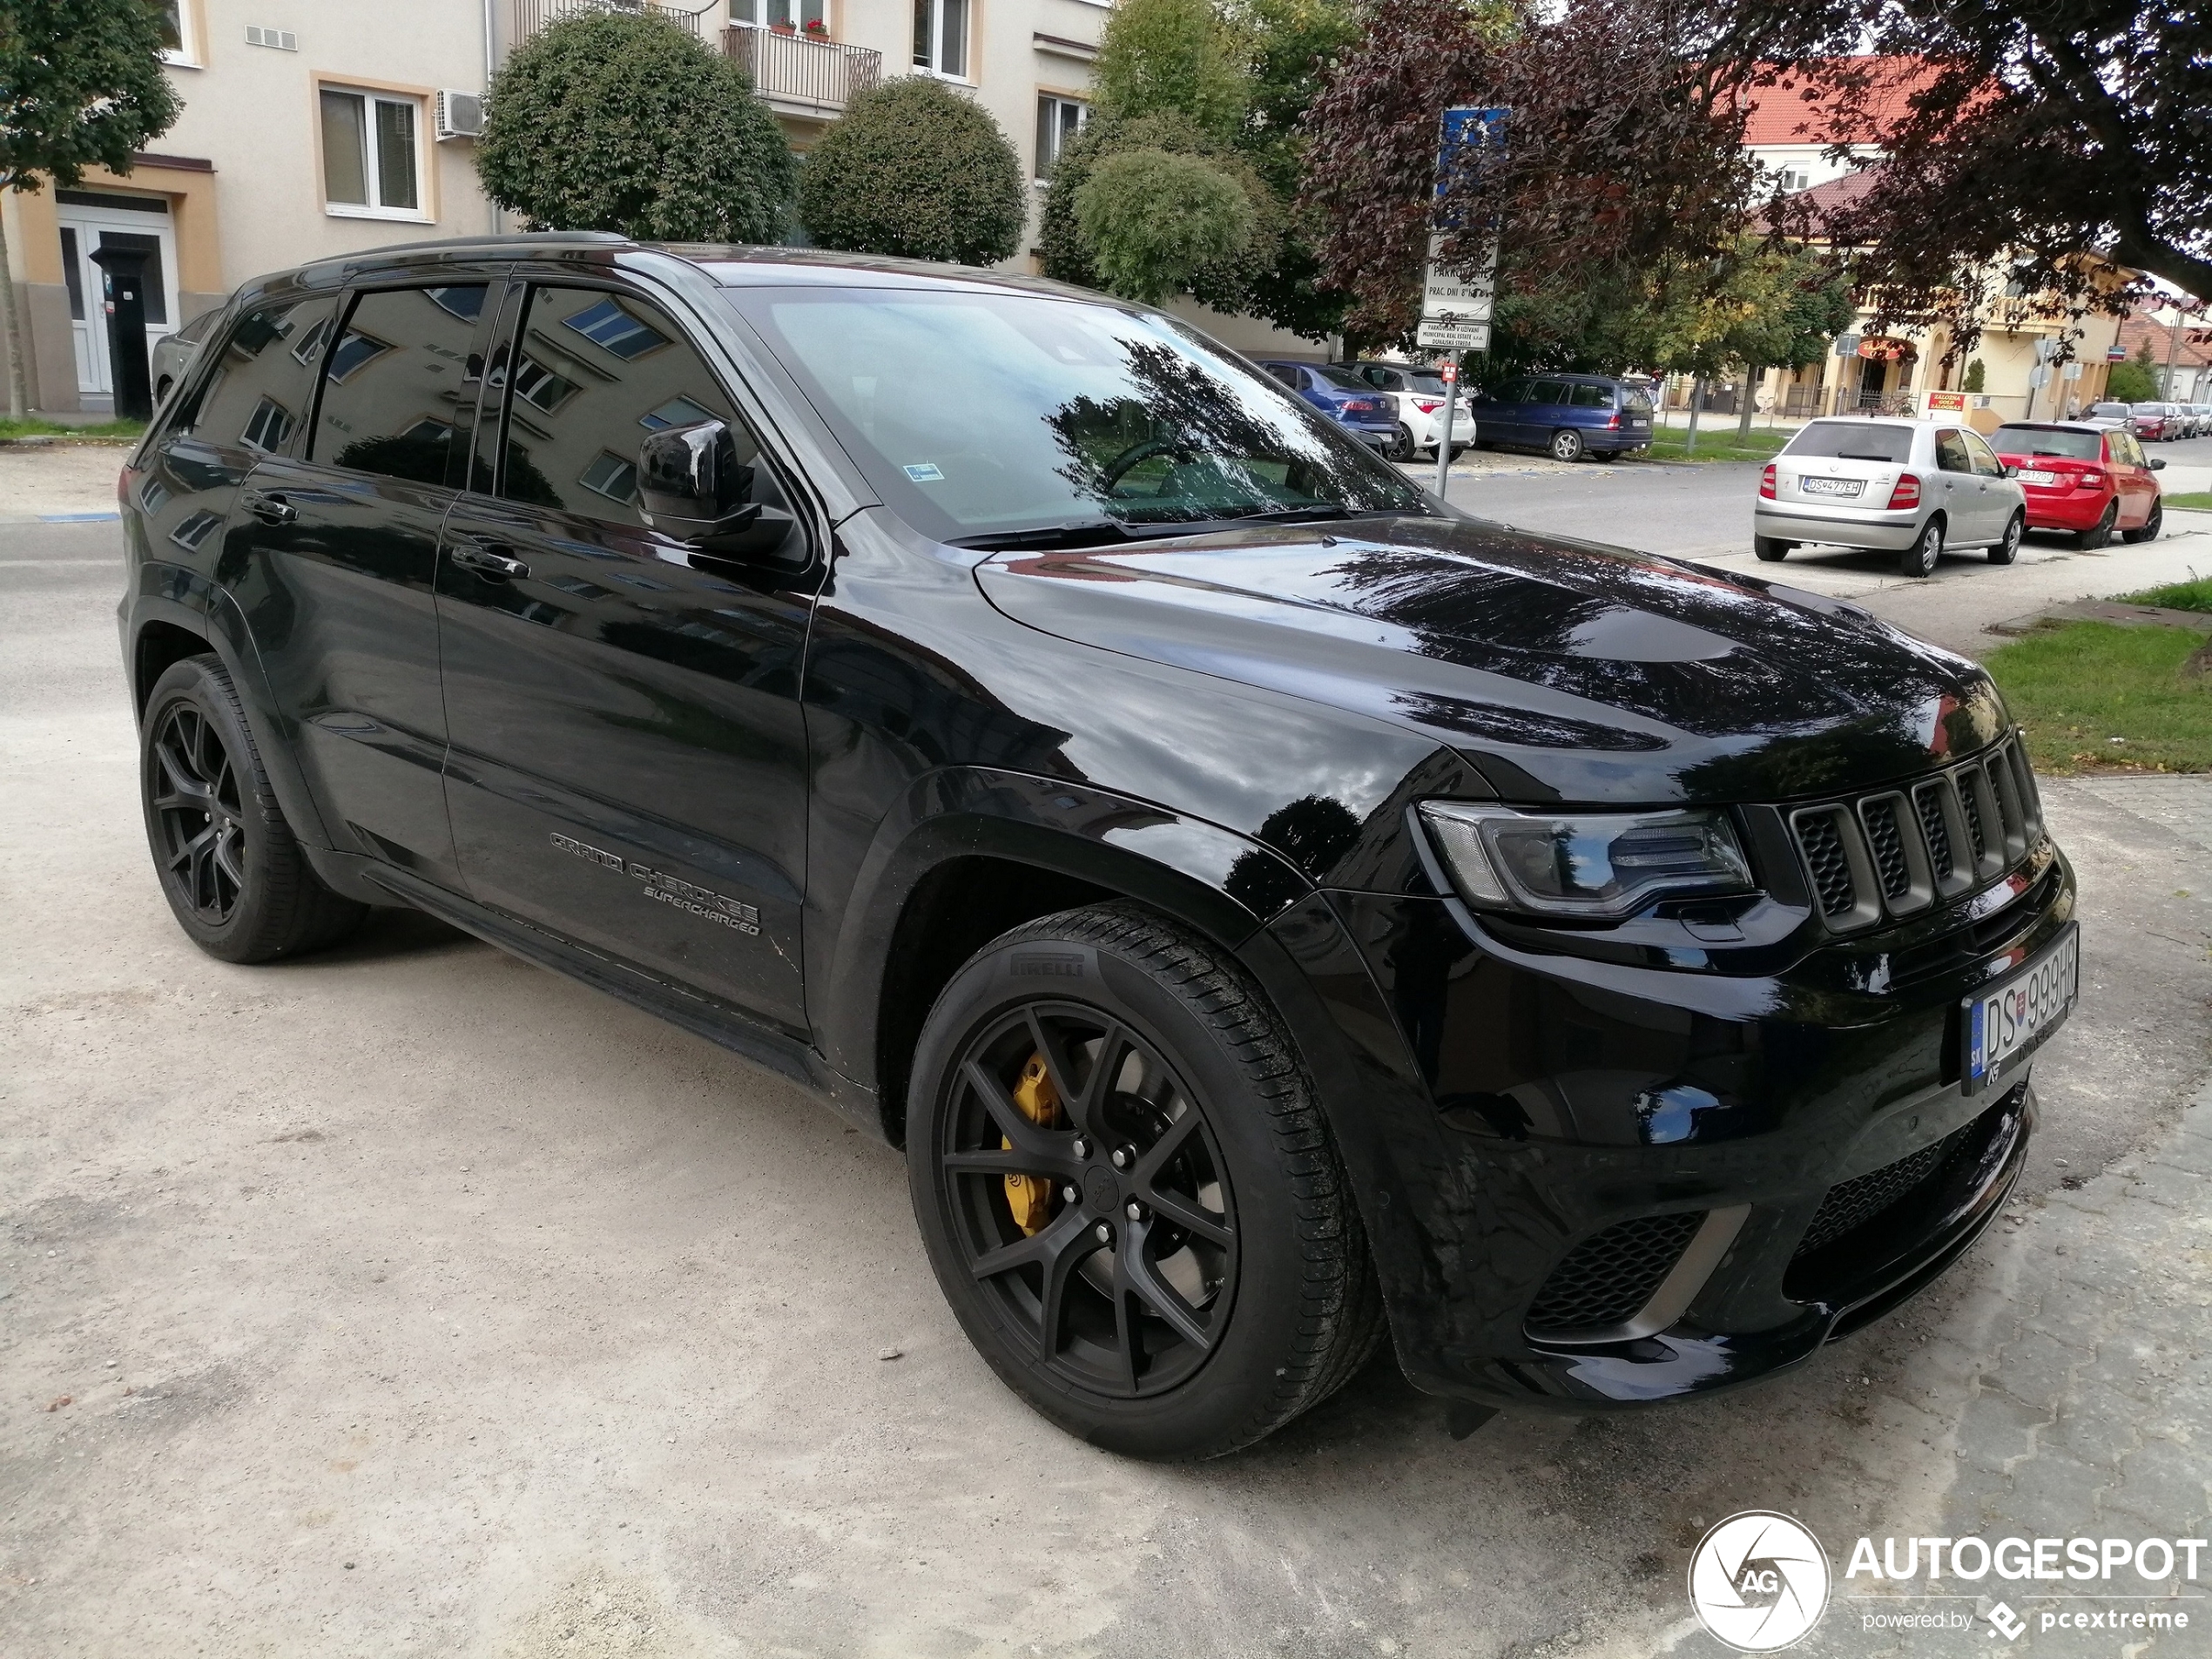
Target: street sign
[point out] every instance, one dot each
(1448, 297)
(1847, 345)
(2039, 375)
(1453, 336)
(1451, 372)
(2071, 372)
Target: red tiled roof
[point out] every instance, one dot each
(1788, 112)
(2141, 330)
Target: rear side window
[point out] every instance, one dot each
(1593, 397)
(256, 396)
(1852, 440)
(398, 381)
(1546, 392)
(597, 374)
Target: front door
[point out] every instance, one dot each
(90, 221)
(342, 541)
(629, 764)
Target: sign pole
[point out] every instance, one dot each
(1444, 443)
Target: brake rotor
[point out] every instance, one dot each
(1030, 1198)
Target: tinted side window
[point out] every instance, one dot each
(596, 373)
(1593, 397)
(1545, 392)
(1983, 458)
(398, 381)
(257, 395)
(1951, 452)
(1285, 373)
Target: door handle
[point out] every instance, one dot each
(488, 559)
(271, 510)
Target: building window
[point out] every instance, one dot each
(178, 45)
(370, 143)
(1793, 180)
(940, 37)
(807, 15)
(1058, 121)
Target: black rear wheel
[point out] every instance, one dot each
(2101, 532)
(1770, 549)
(1919, 559)
(231, 871)
(1128, 1191)
(2147, 532)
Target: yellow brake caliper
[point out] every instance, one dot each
(1030, 1196)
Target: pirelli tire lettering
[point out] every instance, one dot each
(663, 888)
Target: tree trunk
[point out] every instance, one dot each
(1696, 408)
(1751, 399)
(11, 321)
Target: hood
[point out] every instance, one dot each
(1563, 670)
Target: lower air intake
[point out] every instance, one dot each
(1851, 1204)
(1606, 1279)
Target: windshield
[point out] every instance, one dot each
(981, 416)
(2046, 440)
(1852, 440)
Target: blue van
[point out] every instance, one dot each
(1569, 415)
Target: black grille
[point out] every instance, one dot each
(1852, 1203)
(1824, 848)
(1605, 1280)
(1888, 847)
(1970, 801)
(1928, 799)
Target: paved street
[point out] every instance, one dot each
(410, 1299)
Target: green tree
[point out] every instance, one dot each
(80, 86)
(2135, 380)
(1977, 376)
(916, 171)
(621, 121)
(1157, 218)
(1183, 56)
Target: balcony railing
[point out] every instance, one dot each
(531, 16)
(798, 70)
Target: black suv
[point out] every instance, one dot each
(1271, 909)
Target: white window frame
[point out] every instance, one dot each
(374, 183)
(187, 53)
(1039, 173)
(934, 69)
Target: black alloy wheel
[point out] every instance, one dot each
(1402, 447)
(1919, 559)
(1129, 1193)
(2098, 534)
(234, 874)
(2147, 532)
(2009, 550)
(1567, 445)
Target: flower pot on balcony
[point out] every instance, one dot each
(784, 28)
(816, 30)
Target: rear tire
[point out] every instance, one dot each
(2009, 549)
(234, 875)
(1567, 445)
(2098, 534)
(2150, 526)
(1769, 550)
(1245, 1219)
(1919, 559)
(1402, 447)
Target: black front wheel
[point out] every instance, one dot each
(230, 867)
(1128, 1191)
(2009, 549)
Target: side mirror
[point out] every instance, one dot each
(2006, 469)
(2157, 466)
(690, 486)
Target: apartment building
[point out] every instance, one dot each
(311, 128)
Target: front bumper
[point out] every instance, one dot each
(1885, 531)
(1534, 1102)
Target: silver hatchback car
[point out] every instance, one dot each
(1911, 487)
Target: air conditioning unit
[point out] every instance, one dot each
(282, 40)
(460, 115)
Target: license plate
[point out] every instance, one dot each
(2003, 1024)
(2036, 477)
(1830, 486)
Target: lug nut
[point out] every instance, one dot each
(1103, 1233)
(1070, 1194)
(1136, 1211)
(1121, 1157)
(1083, 1146)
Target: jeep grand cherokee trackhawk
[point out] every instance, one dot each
(1271, 909)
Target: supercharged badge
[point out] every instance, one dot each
(663, 888)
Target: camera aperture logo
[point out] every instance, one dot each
(1759, 1581)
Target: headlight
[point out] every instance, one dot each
(1599, 867)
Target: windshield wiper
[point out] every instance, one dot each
(1092, 533)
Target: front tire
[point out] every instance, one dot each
(1402, 447)
(1919, 559)
(2009, 549)
(1567, 445)
(230, 867)
(1102, 1061)
(2150, 526)
(1769, 550)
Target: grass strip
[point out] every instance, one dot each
(105, 431)
(2095, 696)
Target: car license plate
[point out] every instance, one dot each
(1830, 486)
(2037, 477)
(2003, 1024)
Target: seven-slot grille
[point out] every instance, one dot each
(1896, 852)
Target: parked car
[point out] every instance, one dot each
(2089, 477)
(1343, 397)
(172, 352)
(1418, 394)
(1274, 913)
(1909, 487)
(1569, 415)
(2123, 413)
(2151, 421)
(2199, 418)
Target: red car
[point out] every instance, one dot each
(2089, 477)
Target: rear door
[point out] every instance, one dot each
(341, 542)
(628, 763)
(1544, 412)
(2132, 478)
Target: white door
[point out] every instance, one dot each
(94, 220)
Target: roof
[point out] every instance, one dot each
(1788, 112)
(2193, 350)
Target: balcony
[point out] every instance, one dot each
(532, 16)
(801, 74)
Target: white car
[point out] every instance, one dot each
(1418, 394)
(1911, 487)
